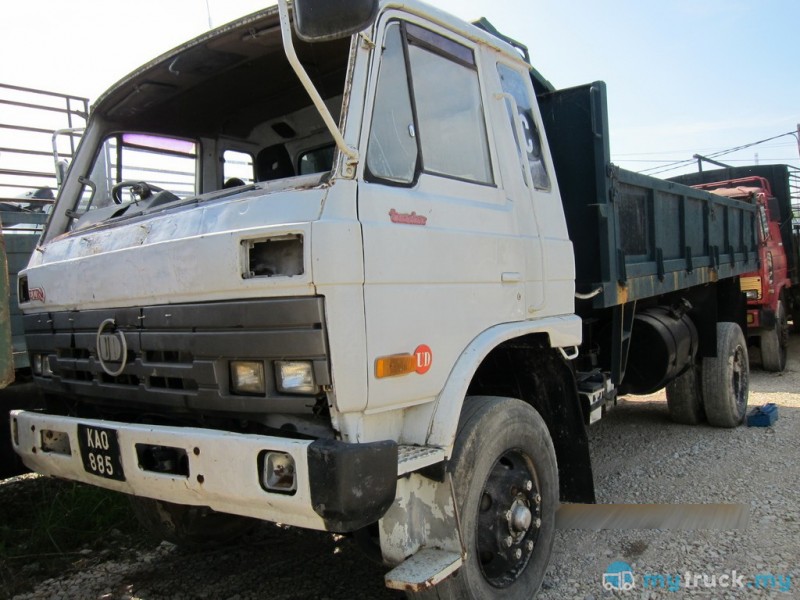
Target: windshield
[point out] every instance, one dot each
(219, 116)
(128, 160)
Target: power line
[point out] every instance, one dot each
(662, 152)
(679, 164)
(671, 162)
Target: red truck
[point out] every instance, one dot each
(773, 291)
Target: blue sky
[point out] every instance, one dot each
(683, 76)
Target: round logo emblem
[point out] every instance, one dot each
(112, 349)
(424, 358)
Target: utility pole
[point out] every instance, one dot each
(798, 138)
(211, 25)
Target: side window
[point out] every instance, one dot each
(438, 123)
(392, 151)
(237, 168)
(449, 107)
(764, 222)
(515, 84)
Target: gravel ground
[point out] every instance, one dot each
(639, 457)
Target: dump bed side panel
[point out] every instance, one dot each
(635, 236)
(21, 231)
(6, 359)
(779, 177)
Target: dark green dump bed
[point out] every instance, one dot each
(635, 236)
(780, 182)
(21, 232)
(6, 358)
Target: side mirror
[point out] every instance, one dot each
(325, 20)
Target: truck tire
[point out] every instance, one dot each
(188, 526)
(774, 342)
(685, 397)
(726, 378)
(506, 486)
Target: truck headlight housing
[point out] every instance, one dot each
(247, 378)
(751, 294)
(295, 377)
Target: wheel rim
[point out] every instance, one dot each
(509, 519)
(739, 378)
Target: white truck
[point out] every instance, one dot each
(374, 328)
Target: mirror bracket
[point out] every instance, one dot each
(319, 103)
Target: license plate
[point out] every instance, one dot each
(100, 451)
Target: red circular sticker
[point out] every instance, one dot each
(424, 358)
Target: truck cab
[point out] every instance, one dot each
(767, 289)
(270, 346)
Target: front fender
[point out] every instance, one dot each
(563, 332)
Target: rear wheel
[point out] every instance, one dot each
(685, 398)
(188, 526)
(774, 342)
(726, 378)
(506, 485)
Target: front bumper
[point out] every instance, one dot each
(759, 319)
(340, 487)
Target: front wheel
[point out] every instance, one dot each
(506, 485)
(726, 378)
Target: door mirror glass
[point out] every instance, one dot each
(324, 20)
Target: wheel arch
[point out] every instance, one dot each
(522, 361)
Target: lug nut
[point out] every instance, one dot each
(509, 514)
(529, 485)
(537, 499)
(509, 541)
(529, 546)
(537, 523)
(517, 553)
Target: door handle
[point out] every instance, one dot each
(511, 277)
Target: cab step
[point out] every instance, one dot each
(423, 570)
(414, 458)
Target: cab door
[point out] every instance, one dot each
(550, 272)
(442, 253)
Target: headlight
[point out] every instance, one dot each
(751, 294)
(247, 377)
(295, 377)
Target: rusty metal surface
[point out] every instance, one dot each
(6, 355)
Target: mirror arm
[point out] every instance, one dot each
(319, 103)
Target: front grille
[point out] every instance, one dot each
(177, 355)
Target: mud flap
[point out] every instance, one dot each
(422, 521)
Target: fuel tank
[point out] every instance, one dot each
(664, 342)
